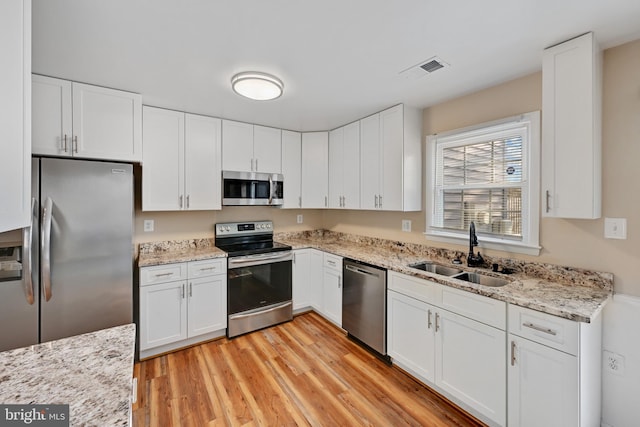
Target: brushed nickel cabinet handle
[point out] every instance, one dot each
(547, 201)
(64, 147)
(437, 322)
(539, 328)
(513, 353)
(428, 319)
(75, 144)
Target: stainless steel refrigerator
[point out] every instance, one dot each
(76, 260)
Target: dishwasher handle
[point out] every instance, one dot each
(361, 270)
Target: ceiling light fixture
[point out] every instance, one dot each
(257, 86)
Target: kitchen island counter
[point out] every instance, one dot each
(91, 372)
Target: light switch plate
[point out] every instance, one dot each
(148, 225)
(615, 228)
(406, 225)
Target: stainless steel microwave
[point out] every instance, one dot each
(252, 188)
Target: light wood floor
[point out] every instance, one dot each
(304, 372)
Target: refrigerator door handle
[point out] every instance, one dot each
(46, 248)
(27, 280)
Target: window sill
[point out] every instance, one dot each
(486, 243)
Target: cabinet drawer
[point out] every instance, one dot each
(555, 332)
(163, 273)
(477, 307)
(207, 267)
(333, 261)
(414, 287)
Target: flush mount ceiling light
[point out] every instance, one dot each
(257, 86)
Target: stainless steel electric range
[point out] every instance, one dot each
(258, 276)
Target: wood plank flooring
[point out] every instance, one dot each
(301, 373)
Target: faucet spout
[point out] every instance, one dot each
(473, 260)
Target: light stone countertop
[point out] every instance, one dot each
(91, 372)
(571, 293)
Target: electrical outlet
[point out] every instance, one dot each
(615, 228)
(613, 362)
(406, 225)
(148, 225)
(299, 219)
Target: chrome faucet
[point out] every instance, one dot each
(473, 260)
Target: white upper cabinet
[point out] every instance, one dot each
(315, 169)
(75, 119)
(571, 129)
(391, 161)
(344, 167)
(181, 162)
(292, 169)
(251, 148)
(15, 114)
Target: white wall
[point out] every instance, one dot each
(621, 335)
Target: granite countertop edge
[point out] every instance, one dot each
(581, 300)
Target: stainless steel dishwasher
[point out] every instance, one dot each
(364, 305)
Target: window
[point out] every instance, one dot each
(488, 174)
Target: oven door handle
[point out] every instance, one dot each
(259, 259)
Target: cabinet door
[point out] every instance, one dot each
(315, 169)
(203, 163)
(107, 123)
(336, 168)
(51, 116)
(543, 386)
(237, 146)
(332, 295)
(301, 276)
(316, 278)
(571, 129)
(351, 171)
(391, 140)
(292, 168)
(410, 335)
(267, 149)
(163, 314)
(370, 162)
(163, 161)
(15, 114)
(207, 305)
(470, 363)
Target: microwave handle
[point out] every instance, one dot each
(271, 189)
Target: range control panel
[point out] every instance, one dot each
(243, 228)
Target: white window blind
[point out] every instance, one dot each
(483, 175)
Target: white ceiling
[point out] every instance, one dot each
(339, 59)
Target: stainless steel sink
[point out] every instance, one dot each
(482, 279)
(435, 268)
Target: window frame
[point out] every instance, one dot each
(529, 244)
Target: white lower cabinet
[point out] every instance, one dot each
(554, 370)
(461, 357)
(181, 304)
(332, 288)
(307, 279)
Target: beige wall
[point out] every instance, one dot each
(578, 243)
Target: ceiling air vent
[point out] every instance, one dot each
(423, 68)
(432, 66)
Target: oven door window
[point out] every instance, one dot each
(246, 189)
(258, 286)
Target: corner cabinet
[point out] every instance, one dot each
(315, 170)
(554, 371)
(181, 304)
(453, 340)
(307, 279)
(571, 129)
(344, 167)
(15, 120)
(251, 148)
(391, 160)
(181, 166)
(79, 120)
(292, 169)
